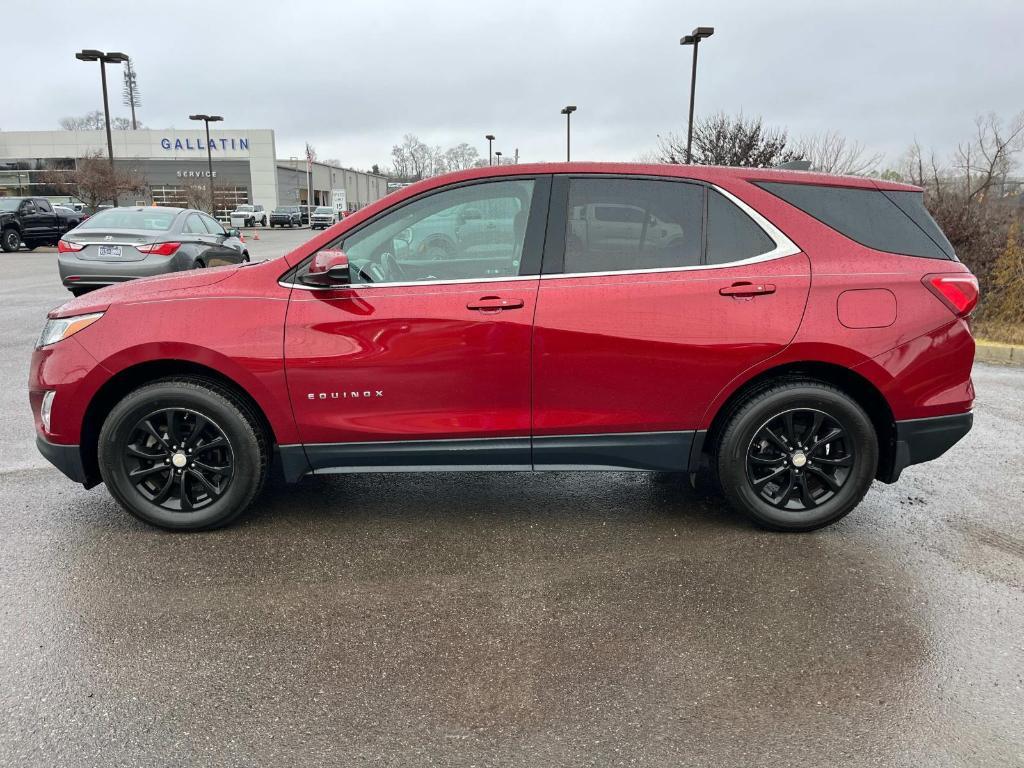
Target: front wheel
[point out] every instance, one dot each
(183, 454)
(797, 456)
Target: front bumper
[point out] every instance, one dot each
(921, 440)
(66, 458)
(76, 272)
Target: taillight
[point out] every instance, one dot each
(159, 249)
(63, 246)
(957, 291)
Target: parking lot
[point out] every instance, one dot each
(508, 619)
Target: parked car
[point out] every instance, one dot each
(323, 217)
(796, 335)
(286, 216)
(248, 216)
(33, 221)
(121, 244)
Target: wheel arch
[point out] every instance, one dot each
(857, 387)
(135, 376)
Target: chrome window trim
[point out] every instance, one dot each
(460, 281)
(783, 247)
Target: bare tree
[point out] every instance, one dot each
(831, 152)
(94, 121)
(94, 182)
(984, 163)
(725, 140)
(460, 157)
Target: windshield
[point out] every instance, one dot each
(152, 219)
(324, 210)
(9, 203)
(287, 210)
(244, 208)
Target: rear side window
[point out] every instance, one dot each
(870, 217)
(732, 234)
(625, 224)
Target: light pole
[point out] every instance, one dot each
(209, 155)
(567, 111)
(693, 39)
(498, 155)
(490, 150)
(111, 57)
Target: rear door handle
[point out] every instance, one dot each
(494, 304)
(746, 289)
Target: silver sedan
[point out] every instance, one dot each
(121, 244)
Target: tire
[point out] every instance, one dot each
(10, 240)
(817, 480)
(76, 292)
(245, 256)
(244, 451)
(264, 222)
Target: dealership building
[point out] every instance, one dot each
(174, 165)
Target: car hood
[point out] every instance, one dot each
(179, 284)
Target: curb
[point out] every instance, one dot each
(1003, 354)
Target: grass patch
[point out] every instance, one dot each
(999, 332)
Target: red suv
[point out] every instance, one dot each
(800, 335)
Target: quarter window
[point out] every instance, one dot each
(465, 233)
(896, 222)
(626, 224)
(732, 234)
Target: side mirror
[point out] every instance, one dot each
(328, 268)
(234, 233)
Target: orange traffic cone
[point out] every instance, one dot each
(255, 235)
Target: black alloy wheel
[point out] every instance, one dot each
(799, 459)
(178, 459)
(796, 455)
(10, 240)
(186, 454)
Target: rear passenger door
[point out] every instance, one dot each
(641, 323)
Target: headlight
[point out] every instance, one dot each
(60, 328)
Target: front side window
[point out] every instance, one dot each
(627, 224)
(464, 233)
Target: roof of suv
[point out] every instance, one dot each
(709, 173)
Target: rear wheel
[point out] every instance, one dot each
(10, 240)
(798, 456)
(183, 454)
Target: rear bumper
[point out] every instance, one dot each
(66, 458)
(89, 272)
(920, 440)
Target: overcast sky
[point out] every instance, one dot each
(353, 77)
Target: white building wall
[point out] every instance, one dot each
(158, 144)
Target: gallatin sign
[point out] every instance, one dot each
(200, 144)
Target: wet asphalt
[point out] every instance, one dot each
(509, 619)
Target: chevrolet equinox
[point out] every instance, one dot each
(798, 335)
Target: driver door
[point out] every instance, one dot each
(423, 358)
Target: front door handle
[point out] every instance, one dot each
(494, 304)
(746, 289)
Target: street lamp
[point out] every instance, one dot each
(110, 57)
(567, 111)
(490, 152)
(209, 156)
(693, 39)
(498, 155)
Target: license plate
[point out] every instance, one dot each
(110, 251)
